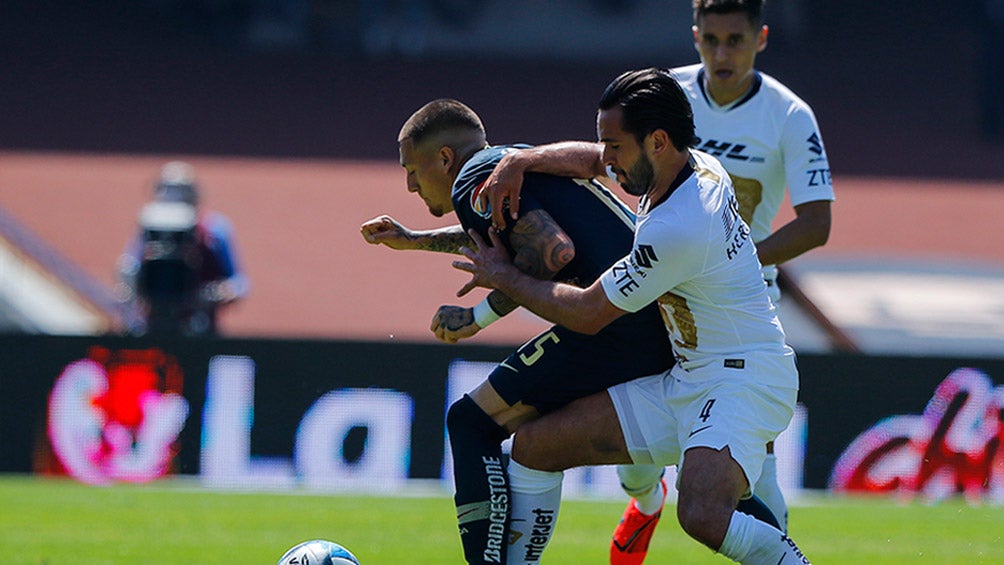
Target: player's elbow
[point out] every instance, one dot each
(821, 233)
(544, 262)
(563, 255)
(814, 218)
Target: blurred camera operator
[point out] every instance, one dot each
(181, 267)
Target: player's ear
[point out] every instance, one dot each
(660, 141)
(761, 39)
(446, 157)
(697, 37)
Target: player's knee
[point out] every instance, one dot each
(700, 527)
(466, 418)
(455, 416)
(703, 520)
(530, 449)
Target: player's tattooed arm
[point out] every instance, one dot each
(541, 247)
(443, 240)
(387, 231)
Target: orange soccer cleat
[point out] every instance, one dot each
(629, 545)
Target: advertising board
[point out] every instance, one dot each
(338, 415)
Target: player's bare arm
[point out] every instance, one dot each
(584, 310)
(809, 229)
(387, 231)
(576, 159)
(541, 250)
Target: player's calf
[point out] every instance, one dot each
(482, 483)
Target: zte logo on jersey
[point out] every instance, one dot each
(727, 150)
(625, 272)
(819, 177)
(622, 277)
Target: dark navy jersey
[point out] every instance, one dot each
(599, 224)
(560, 365)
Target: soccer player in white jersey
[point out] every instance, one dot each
(768, 140)
(734, 386)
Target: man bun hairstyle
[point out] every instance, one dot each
(651, 99)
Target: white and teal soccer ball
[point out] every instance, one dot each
(318, 552)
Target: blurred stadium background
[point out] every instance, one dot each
(289, 111)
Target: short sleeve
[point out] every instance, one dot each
(807, 169)
(665, 254)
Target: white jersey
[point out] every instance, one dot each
(767, 140)
(693, 254)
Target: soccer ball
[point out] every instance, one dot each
(318, 552)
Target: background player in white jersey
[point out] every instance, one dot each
(734, 385)
(767, 139)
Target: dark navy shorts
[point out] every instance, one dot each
(559, 365)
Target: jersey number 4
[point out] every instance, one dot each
(706, 411)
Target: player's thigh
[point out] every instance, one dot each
(585, 432)
(559, 365)
(735, 414)
(647, 419)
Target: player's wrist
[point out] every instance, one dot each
(484, 314)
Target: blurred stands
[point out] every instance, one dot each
(893, 85)
(288, 104)
(42, 291)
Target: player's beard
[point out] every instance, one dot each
(639, 179)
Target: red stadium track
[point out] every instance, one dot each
(297, 228)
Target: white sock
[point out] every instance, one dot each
(536, 499)
(644, 484)
(767, 490)
(752, 542)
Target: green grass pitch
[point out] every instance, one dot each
(55, 522)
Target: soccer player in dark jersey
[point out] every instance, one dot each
(568, 230)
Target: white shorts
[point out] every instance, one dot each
(662, 416)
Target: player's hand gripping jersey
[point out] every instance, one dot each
(600, 224)
(560, 365)
(693, 254)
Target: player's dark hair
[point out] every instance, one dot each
(651, 99)
(438, 117)
(752, 8)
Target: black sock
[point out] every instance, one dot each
(756, 508)
(482, 483)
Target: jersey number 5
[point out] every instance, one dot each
(538, 348)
